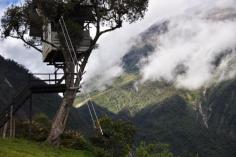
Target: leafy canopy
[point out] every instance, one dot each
(104, 15)
(117, 139)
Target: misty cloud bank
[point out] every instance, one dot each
(14, 49)
(197, 50)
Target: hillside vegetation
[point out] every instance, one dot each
(126, 93)
(178, 117)
(11, 86)
(23, 148)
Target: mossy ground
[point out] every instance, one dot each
(24, 148)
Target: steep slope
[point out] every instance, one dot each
(219, 108)
(174, 121)
(195, 123)
(169, 115)
(13, 78)
(144, 46)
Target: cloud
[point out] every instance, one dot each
(14, 49)
(189, 48)
(112, 47)
(191, 45)
(195, 38)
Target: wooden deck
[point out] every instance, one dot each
(46, 88)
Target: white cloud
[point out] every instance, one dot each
(14, 49)
(194, 40)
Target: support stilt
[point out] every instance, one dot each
(4, 132)
(11, 122)
(14, 127)
(30, 116)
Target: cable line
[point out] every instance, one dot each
(92, 111)
(66, 40)
(75, 62)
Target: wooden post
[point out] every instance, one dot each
(4, 132)
(55, 74)
(30, 115)
(11, 121)
(14, 127)
(49, 79)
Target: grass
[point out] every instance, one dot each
(23, 148)
(124, 94)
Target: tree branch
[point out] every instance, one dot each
(22, 38)
(109, 30)
(45, 41)
(27, 43)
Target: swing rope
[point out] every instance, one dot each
(74, 59)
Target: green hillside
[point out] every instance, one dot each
(194, 123)
(127, 94)
(23, 148)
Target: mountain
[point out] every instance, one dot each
(219, 108)
(198, 122)
(144, 46)
(177, 117)
(13, 79)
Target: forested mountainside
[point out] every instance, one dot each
(198, 122)
(194, 122)
(13, 79)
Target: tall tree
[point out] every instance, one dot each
(108, 15)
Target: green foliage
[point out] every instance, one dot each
(163, 113)
(42, 119)
(39, 128)
(73, 139)
(126, 94)
(13, 25)
(153, 150)
(117, 139)
(17, 20)
(23, 148)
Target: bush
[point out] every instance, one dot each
(153, 150)
(117, 137)
(39, 128)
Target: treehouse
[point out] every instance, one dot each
(50, 30)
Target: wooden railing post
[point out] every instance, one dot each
(4, 132)
(11, 121)
(30, 115)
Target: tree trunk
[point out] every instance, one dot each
(60, 120)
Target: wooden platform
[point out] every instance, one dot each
(46, 88)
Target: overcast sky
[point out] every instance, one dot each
(112, 46)
(193, 41)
